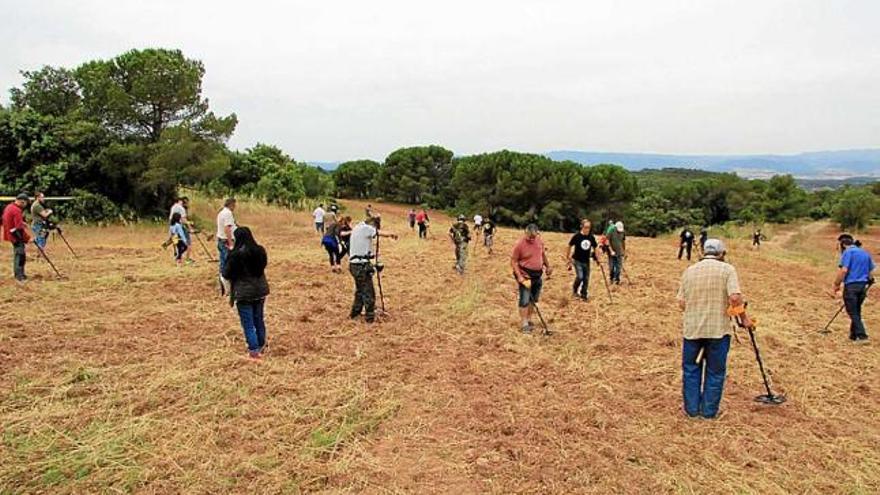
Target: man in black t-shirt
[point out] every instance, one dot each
(581, 248)
(687, 242)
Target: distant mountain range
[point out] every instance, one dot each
(814, 165)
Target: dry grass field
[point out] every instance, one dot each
(131, 376)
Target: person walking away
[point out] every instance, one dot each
(478, 225)
(488, 234)
(855, 272)
(178, 238)
(581, 248)
(610, 228)
(686, 243)
(344, 235)
(704, 235)
(757, 237)
(707, 288)
(318, 214)
(330, 218)
(225, 239)
(181, 207)
(422, 221)
(40, 220)
(529, 262)
(411, 217)
(330, 241)
(362, 269)
(616, 252)
(246, 271)
(15, 231)
(460, 237)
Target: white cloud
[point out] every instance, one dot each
(337, 80)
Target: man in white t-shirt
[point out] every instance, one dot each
(362, 269)
(478, 225)
(319, 218)
(225, 238)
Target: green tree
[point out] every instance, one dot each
(783, 200)
(416, 175)
(317, 183)
(855, 208)
(142, 92)
(356, 179)
(48, 91)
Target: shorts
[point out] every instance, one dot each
(489, 240)
(529, 295)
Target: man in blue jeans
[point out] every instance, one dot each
(707, 288)
(855, 269)
(225, 239)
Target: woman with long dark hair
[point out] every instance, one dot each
(245, 270)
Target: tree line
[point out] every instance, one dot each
(123, 134)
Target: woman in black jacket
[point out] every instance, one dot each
(245, 270)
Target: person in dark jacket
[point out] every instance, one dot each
(245, 270)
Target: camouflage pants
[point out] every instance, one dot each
(364, 294)
(461, 255)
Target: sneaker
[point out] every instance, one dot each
(527, 328)
(861, 340)
(370, 319)
(254, 355)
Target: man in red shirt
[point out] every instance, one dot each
(422, 220)
(16, 232)
(528, 261)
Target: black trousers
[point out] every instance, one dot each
(687, 245)
(853, 297)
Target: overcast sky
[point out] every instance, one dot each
(333, 80)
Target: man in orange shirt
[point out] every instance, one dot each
(528, 262)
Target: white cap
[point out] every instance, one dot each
(619, 226)
(713, 247)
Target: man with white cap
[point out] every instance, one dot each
(707, 289)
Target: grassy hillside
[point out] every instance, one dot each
(130, 376)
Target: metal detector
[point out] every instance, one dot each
(45, 257)
(379, 267)
(605, 280)
(546, 330)
(768, 398)
(195, 234)
(61, 235)
(827, 327)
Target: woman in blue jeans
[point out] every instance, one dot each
(245, 269)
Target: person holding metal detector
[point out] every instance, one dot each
(528, 262)
(40, 220)
(581, 248)
(361, 267)
(707, 288)
(855, 274)
(16, 232)
(460, 237)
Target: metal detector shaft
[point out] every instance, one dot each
(605, 280)
(827, 325)
(204, 247)
(379, 277)
(61, 235)
(540, 317)
(760, 361)
(42, 252)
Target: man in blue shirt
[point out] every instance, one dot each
(856, 266)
